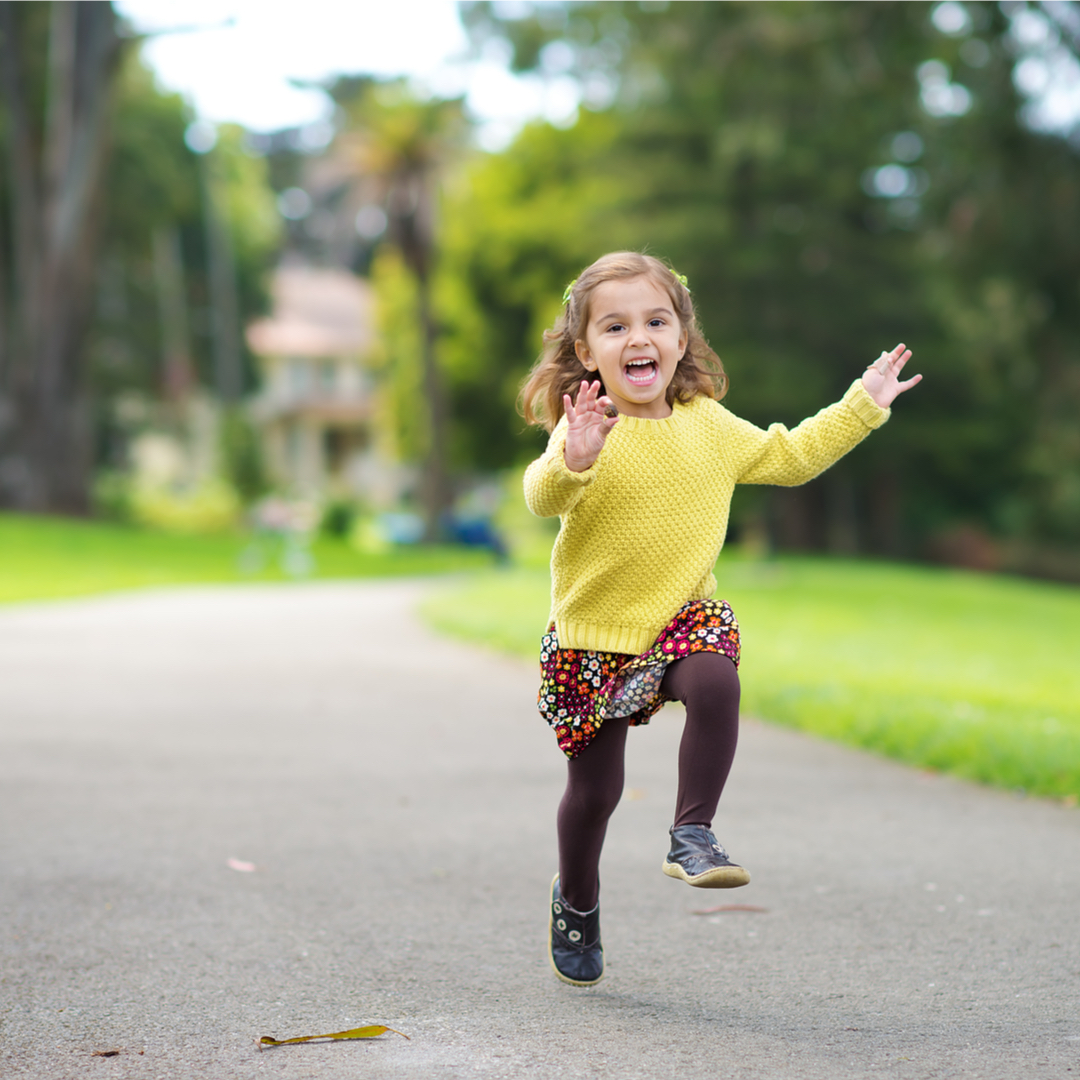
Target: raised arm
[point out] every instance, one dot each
(556, 480)
(787, 458)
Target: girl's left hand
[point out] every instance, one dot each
(882, 378)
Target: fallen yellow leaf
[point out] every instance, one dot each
(369, 1032)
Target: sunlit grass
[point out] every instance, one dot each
(964, 673)
(44, 558)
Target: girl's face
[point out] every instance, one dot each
(634, 341)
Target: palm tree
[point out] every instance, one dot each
(401, 145)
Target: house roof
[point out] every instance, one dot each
(317, 313)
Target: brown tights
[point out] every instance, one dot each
(708, 685)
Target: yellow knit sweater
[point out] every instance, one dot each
(641, 529)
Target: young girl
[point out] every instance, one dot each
(640, 468)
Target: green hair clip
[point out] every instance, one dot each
(682, 279)
(568, 290)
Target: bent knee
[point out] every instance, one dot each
(704, 675)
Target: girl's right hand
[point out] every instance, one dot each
(588, 426)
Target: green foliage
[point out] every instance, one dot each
(151, 184)
(151, 187)
(209, 507)
(154, 185)
(398, 144)
(741, 143)
(518, 226)
(393, 132)
(963, 673)
(110, 497)
(402, 426)
(152, 174)
(242, 463)
(339, 518)
(250, 212)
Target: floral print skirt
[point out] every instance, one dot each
(581, 688)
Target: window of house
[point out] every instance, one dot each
(298, 376)
(327, 376)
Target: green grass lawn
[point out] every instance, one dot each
(45, 558)
(964, 673)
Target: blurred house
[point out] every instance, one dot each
(315, 409)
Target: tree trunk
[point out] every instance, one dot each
(435, 486)
(177, 369)
(412, 213)
(55, 196)
(224, 308)
(842, 519)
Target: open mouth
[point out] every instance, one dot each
(641, 372)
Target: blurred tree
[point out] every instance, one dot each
(156, 260)
(830, 186)
(115, 231)
(400, 146)
(518, 226)
(1001, 220)
(241, 233)
(58, 65)
(147, 336)
(402, 428)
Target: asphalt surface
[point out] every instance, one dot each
(395, 793)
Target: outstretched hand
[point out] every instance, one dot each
(589, 426)
(882, 378)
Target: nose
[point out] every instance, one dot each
(638, 336)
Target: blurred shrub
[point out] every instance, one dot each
(110, 496)
(338, 518)
(212, 506)
(241, 455)
(369, 537)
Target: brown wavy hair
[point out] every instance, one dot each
(558, 370)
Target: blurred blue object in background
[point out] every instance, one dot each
(402, 528)
(475, 532)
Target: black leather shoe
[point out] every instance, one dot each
(575, 950)
(698, 859)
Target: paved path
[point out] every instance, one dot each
(396, 794)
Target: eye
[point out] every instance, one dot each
(656, 322)
(615, 328)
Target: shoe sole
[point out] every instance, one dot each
(558, 974)
(723, 877)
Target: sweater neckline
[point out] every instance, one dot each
(645, 423)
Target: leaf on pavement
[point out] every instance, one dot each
(369, 1032)
(730, 907)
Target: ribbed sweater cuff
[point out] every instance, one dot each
(567, 479)
(864, 406)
